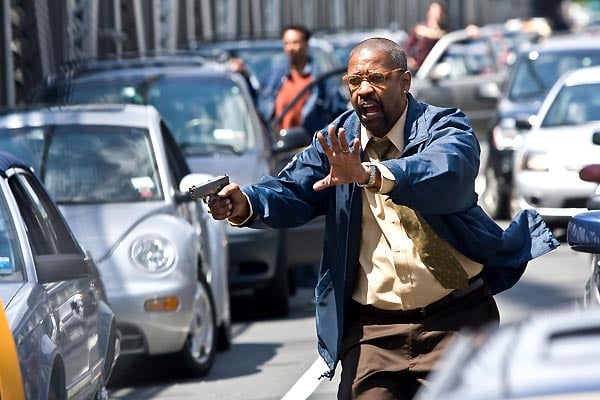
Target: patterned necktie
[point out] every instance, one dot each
(434, 252)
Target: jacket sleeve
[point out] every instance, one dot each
(289, 199)
(436, 175)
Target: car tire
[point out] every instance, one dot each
(225, 336)
(273, 299)
(198, 353)
(494, 200)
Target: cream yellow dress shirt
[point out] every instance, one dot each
(391, 274)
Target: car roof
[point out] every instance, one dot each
(180, 65)
(582, 76)
(132, 115)
(8, 161)
(566, 42)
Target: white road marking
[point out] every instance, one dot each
(308, 382)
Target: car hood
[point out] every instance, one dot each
(570, 146)
(243, 169)
(519, 109)
(8, 290)
(100, 227)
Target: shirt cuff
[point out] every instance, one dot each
(388, 181)
(244, 222)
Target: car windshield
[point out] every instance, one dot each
(574, 105)
(205, 114)
(535, 72)
(260, 60)
(469, 57)
(89, 164)
(11, 263)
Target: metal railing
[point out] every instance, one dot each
(38, 36)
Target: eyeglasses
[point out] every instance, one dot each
(375, 78)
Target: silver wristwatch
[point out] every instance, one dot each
(372, 177)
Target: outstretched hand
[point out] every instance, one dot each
(344, 158)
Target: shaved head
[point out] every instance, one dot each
(394, 52)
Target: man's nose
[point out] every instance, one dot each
(364, 87)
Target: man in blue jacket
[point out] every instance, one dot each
(409, 257)
(283, 82)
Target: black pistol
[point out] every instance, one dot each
(208, 191)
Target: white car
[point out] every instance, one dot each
(564, 138)
(122, 184)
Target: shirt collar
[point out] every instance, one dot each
(396, 134)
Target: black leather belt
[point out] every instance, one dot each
(476, 286)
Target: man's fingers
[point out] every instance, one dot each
(344, 147)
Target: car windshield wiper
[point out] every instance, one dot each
(192, 148)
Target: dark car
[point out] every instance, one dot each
(537, 67)
(54, 299)
(583, 234)
(210, 111)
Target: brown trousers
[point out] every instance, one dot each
(388, 354)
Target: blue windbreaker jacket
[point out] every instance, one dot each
(435, 175)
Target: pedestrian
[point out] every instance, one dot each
(424, 35)
(409, 257)
(285, 80)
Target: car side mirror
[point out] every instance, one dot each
(590, 173)
(61, 267)
(525, 123)
(579, 236)
(440, 71)
(291, 139)
(596, 137)
(489, 91)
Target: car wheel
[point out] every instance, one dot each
(198, 353)
(273, 300)
(493, 200)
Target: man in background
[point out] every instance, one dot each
(284, 81)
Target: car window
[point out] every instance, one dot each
(11, 262)
(535, 72)
(89, 164)
(574, 105)
(469, 58)
(205, 114)
(46, 229)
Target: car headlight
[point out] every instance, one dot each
(535, 161)
(153, 253)
(506, 136)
